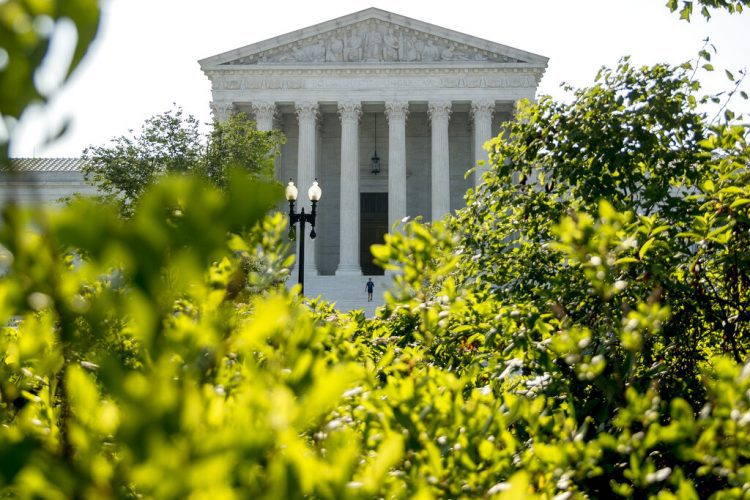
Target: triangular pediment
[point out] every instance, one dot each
(372, 36)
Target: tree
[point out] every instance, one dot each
(171, 143)
(601, 271)
(636, 140)
(236, 143)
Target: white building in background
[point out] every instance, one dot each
(425, 98)
(42, 180)
(422, 98)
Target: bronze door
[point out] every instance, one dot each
(373, 225)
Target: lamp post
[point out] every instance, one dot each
(314, 193)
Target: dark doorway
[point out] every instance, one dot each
(373, 225)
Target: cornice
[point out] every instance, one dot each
(379, 70)
(444, 66)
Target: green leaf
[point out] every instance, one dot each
(83, 393)
(644, 248)
(731, 190)
(686, 11)
(709, 143)
(626, 260)
(518, 487)
(388, 454)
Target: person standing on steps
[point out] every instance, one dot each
(369, 286)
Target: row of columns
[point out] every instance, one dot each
(396, 112)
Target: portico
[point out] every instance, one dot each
(426, 98)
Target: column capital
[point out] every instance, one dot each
(482, 109)
(350, 110)
(439, 109)
(397, 110)
(221, 110)
(306, 109)
(264, 109)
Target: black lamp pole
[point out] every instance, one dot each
(302, 218)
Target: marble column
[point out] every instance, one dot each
(349, 191)
(307, 114)
(481, 112)
(264, 114)
(221, 110)
(396, 112)
(441, 201)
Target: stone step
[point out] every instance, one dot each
(348, 292)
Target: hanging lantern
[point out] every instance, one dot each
(375, 166)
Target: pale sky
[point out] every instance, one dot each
(145, 57)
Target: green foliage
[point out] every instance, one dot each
(580, 329)
(171, 143)
(236, 143)
(600, 276)
(159, 356)
(636, 140)
(27, 30)
(706, 6)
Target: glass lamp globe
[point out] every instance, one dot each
(314, 193)
(291, 191)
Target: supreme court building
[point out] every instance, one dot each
(422, 98)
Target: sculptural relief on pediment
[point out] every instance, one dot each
(372, 41)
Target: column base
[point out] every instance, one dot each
(309, 271)
(349, 270)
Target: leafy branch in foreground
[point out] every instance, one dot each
(706, 6)
(27, 31)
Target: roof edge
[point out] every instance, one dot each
(362, 15)
(51, 164)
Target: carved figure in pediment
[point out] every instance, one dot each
(373, 46)
(354, 47)
(391, 46)
(335, 50)
(409, 52)
(430, 52)
(283, 57)
(318, 52)
(311, 53)
(419, 48)
(371, 42)
(450, 54)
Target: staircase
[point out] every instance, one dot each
(348, 292)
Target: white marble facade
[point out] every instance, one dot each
(424, 97)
